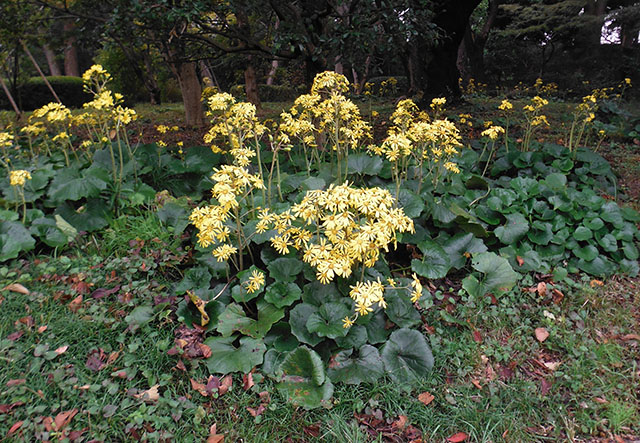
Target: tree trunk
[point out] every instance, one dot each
(435, 67)
(470, 60)
(191, 92)
(71, 66)
(54, 68)
(251, 84)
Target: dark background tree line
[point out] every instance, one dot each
(150, 45)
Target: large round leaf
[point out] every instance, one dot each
(14, 238)
(407, 357)
(354, 368)
(497, 275)
(298, 317)
(225, 357)
(304, 382)
(513, 230)
(282, 294)
(435, 262)
(327, 321)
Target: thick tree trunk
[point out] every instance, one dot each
(71, 66)
(54, 68)
(251, 84)
(470, 60)
(191, 92)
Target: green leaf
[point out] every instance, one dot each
(351, 368)
(188, 313)
(285, 269)
(313, 183)
(14, 239)
(407, 357)
(630, 214)
(316, 293)
(174, 215)
(599, 266)
(411, 204)
(587, 253)
(327, 320)
(400, 310)
(233, 319)
(139, 316)
(629, 267)
(376, 328)
(280, 338)
(89, 217)
(556, 181)
(435, 261)
(497, 275)
(356, 337)
(364, 164)
(226, 358)
(239, 292)
(609, 243)
(268, 315)
(6, 215)
(541, 233)
(458, 245)
(282, 294)
(513, 230)
(582, 233)
(69, 231)
(594, 224)
(304, 382)
(48, 231)
(298, 321)
(70, 184)
(630, 250)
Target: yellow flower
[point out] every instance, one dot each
(224, 252)
(255, 282)
(627, 81)
(347, 322)
(19, 177)
(417, 289)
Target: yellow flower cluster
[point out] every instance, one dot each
(493, 132)
(233, 123)
(96, 73)
(349, 226)
(255, 281)
(52, 113)
(6, 139)
(537, 103)
(19, 177)
(505, 105)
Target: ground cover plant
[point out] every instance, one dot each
(426, 285)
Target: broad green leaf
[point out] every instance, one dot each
(89, 217)
(356, 337)
(139, 316)
(280, 338)
(556, 181)
(407, 357)
(188, 313)
(515, 227)
(226, 357)
(232, 319)
(313, 183)
(67, 229)
(376, 328)
(609, 243)
(497, 275)
(364, 164)
(582, 233)
(586, 253)
(7, 215)
(14, 238)
(327, 320)
(599, 266)
(298, 317)
(630, 250)
(174, 215)
(194, 278)
(435, 262)
(268, 315)
(400, 310)
(629, 267)
(458, 245)
(316, 293)
(353, 368)
(70, 184)
(594, 224)
(282, 294)
(540, 233)
(411, 204)
(304, 382)
(285, 269)
(48, 231)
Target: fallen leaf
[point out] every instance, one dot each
(257, 411)
(558, 296)
(61, 350)
(95, 360)
(545, 386)
(520, 260)
(180, 365)
(552, 365)
(630, 337)
(63, 418)
(477, 337)
(206, 350)
(75, 304)
(16, 382)
(265, 397)
(27, 321)
(214, 437)
(151, 395)
(4, 409)
(457, 437)
(476, 383)
(14, 428)
(541, 334)
(15, 335)
(247, 381)
(594, 283)
(542, 289)
(312, 430)
(600, 400)
(16, 287)
(225, 384)
(400, 423)
(425, 398)
(200, 305)
(200, 387)
(42, 328)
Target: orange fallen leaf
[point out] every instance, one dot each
(593, 283)
(200, 387)
(401, 422)
(16, 287)
(247, 381)
(75, 304)
(425, 398)
(542, 289)
(151, 395)
(225, 385)
(61, 349)
(541, 334)
(63, 418)
(41, 329)
(16, 382)
(600, 400)
(630, 337)
(520, 260)
(457, 437)
(558, 296)
(256, 411)
(214, 437)
(14, 428)
(476, 383)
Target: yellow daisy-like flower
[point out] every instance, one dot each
(255, 282)
(417, 289)
(224, 252)
(19, 177)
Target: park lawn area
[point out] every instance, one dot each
(92, 345)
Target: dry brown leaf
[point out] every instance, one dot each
(214, 437)
(630, 337)
(457, 437)
(200, 305)
(75, 304)
(16, 382)
(425, 398)
(16, 287)
(542, 289)
(63, 418)
(200, 387)
(552, 365)
(14, 428)
(541, 334)
(247, 381)
(151, 395)
(43, 328)
(225, 384)
(61, 349)
(476, 383)
(257, 411)
(401, 422)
